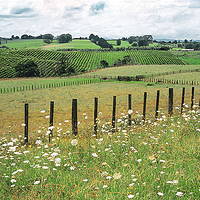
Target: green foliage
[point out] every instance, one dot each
(104, 63)
(64, 38)
(118, 42)
(47, 38)
(27, 68)
(143, 43)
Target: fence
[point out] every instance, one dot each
(51, 85)
(75, 111)
(150, 77)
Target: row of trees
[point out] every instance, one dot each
(139, 40)
(100, 41)
(47, 38)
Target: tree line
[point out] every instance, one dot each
(100, 41)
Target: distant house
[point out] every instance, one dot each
(187, 50)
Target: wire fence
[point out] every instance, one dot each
(84, 113)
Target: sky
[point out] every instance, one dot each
(110, 19)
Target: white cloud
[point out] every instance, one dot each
(177, 19)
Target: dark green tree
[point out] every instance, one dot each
(65, 38)
(27, 68)
(104, 63)
(47, 38)
(119, 42)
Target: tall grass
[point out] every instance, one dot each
(149, 160)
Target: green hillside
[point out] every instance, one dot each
(81, 61)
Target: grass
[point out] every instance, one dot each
(19, 82)
(151, 161)
(192, 58)
(194, 76)
(133, 70)
(38, 43)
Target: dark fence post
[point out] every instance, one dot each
(129, 108)
(170, 108)
(26, 124)
(144, 106)
(183, 96)
(157, 103)
(51, 118)
(192, 98)
(74, 117)
(114, 113)
(95, 115)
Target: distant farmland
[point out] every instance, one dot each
(81, 61)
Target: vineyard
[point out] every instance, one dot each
(81, 61)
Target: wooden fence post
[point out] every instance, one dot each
(26, 124)
(51, 119)
(114, 113)
(74, 117)
(170, 108)
(144, 106)
(157, 104)
(183, 96)
(95, 115)
(129, 108)
(192, 98)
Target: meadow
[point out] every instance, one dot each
(147, 160)
(39, 44)
(151, 159)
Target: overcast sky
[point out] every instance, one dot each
(171, 19)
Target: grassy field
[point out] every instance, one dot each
(155, 159)
(194, 76)
(19, 82)
(38, 43)
(133, 70)
(192, 58)
(158, 159)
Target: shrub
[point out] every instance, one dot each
(27, 68)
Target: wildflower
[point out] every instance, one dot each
(45, 167)
(72, 168)
(36, 182)
(42, 111)
(162, 172)
(105, 186)
(162, 161)
(151, 157)
(23, 124)
(175, 181)
(135, 179)
(139, 160)
(180, 194)
(94, 155)
(108, 177)
(57, 161)
(38, 142)
(85, 180)
(26, 161)
(130, 196)
(131, 184)
(104, 174)
(12, 185)
(47, 116)
(74, 142)
(130, 112)
(160, 193)
(117, 176)
(20, 170)
(13, 181)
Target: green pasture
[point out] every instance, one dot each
(123, 43)
(19, 82)
(133, 70)
(194, 76)
(38, 43)
(192, 58)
